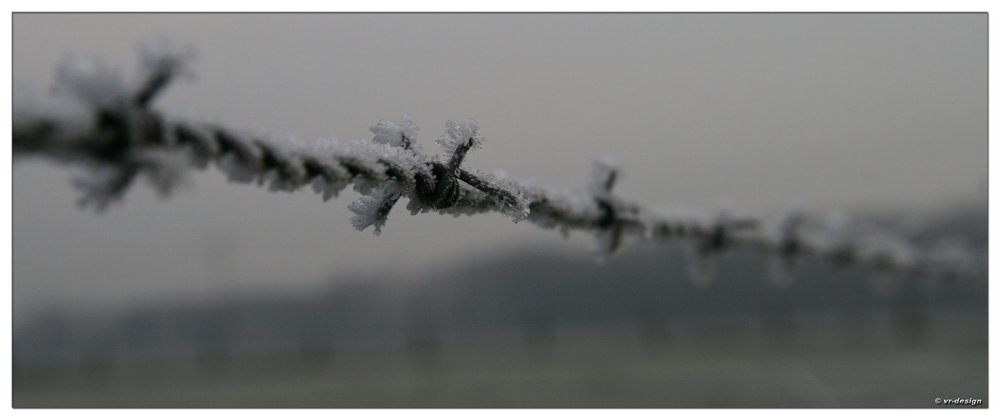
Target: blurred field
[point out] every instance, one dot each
(533, 329)
(708, 362)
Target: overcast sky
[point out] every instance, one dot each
(750, 111)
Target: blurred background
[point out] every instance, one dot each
(227, 295)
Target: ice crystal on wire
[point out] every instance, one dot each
(103, 185)
(518, 210)
(235, 170)
(166, 170)
(402, 134)
(608, 243)
(458, 136)
(373, 209)
(162, 60)
(603, 174)
(89, 81)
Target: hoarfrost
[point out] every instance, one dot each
(402, 134)
(373, 209)
(459, 135)
(603, 174)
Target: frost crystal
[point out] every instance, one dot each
(457, 136)
(373, 209)
(608, 243)
(165, 170)
(162, 60)
(236, 171)
(103, 185)
(403, 134)
(89, 81)
(603, 174)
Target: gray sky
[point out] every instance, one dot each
(751, 111)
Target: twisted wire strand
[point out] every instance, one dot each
(103, 124)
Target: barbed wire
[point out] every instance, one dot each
(100, 122)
